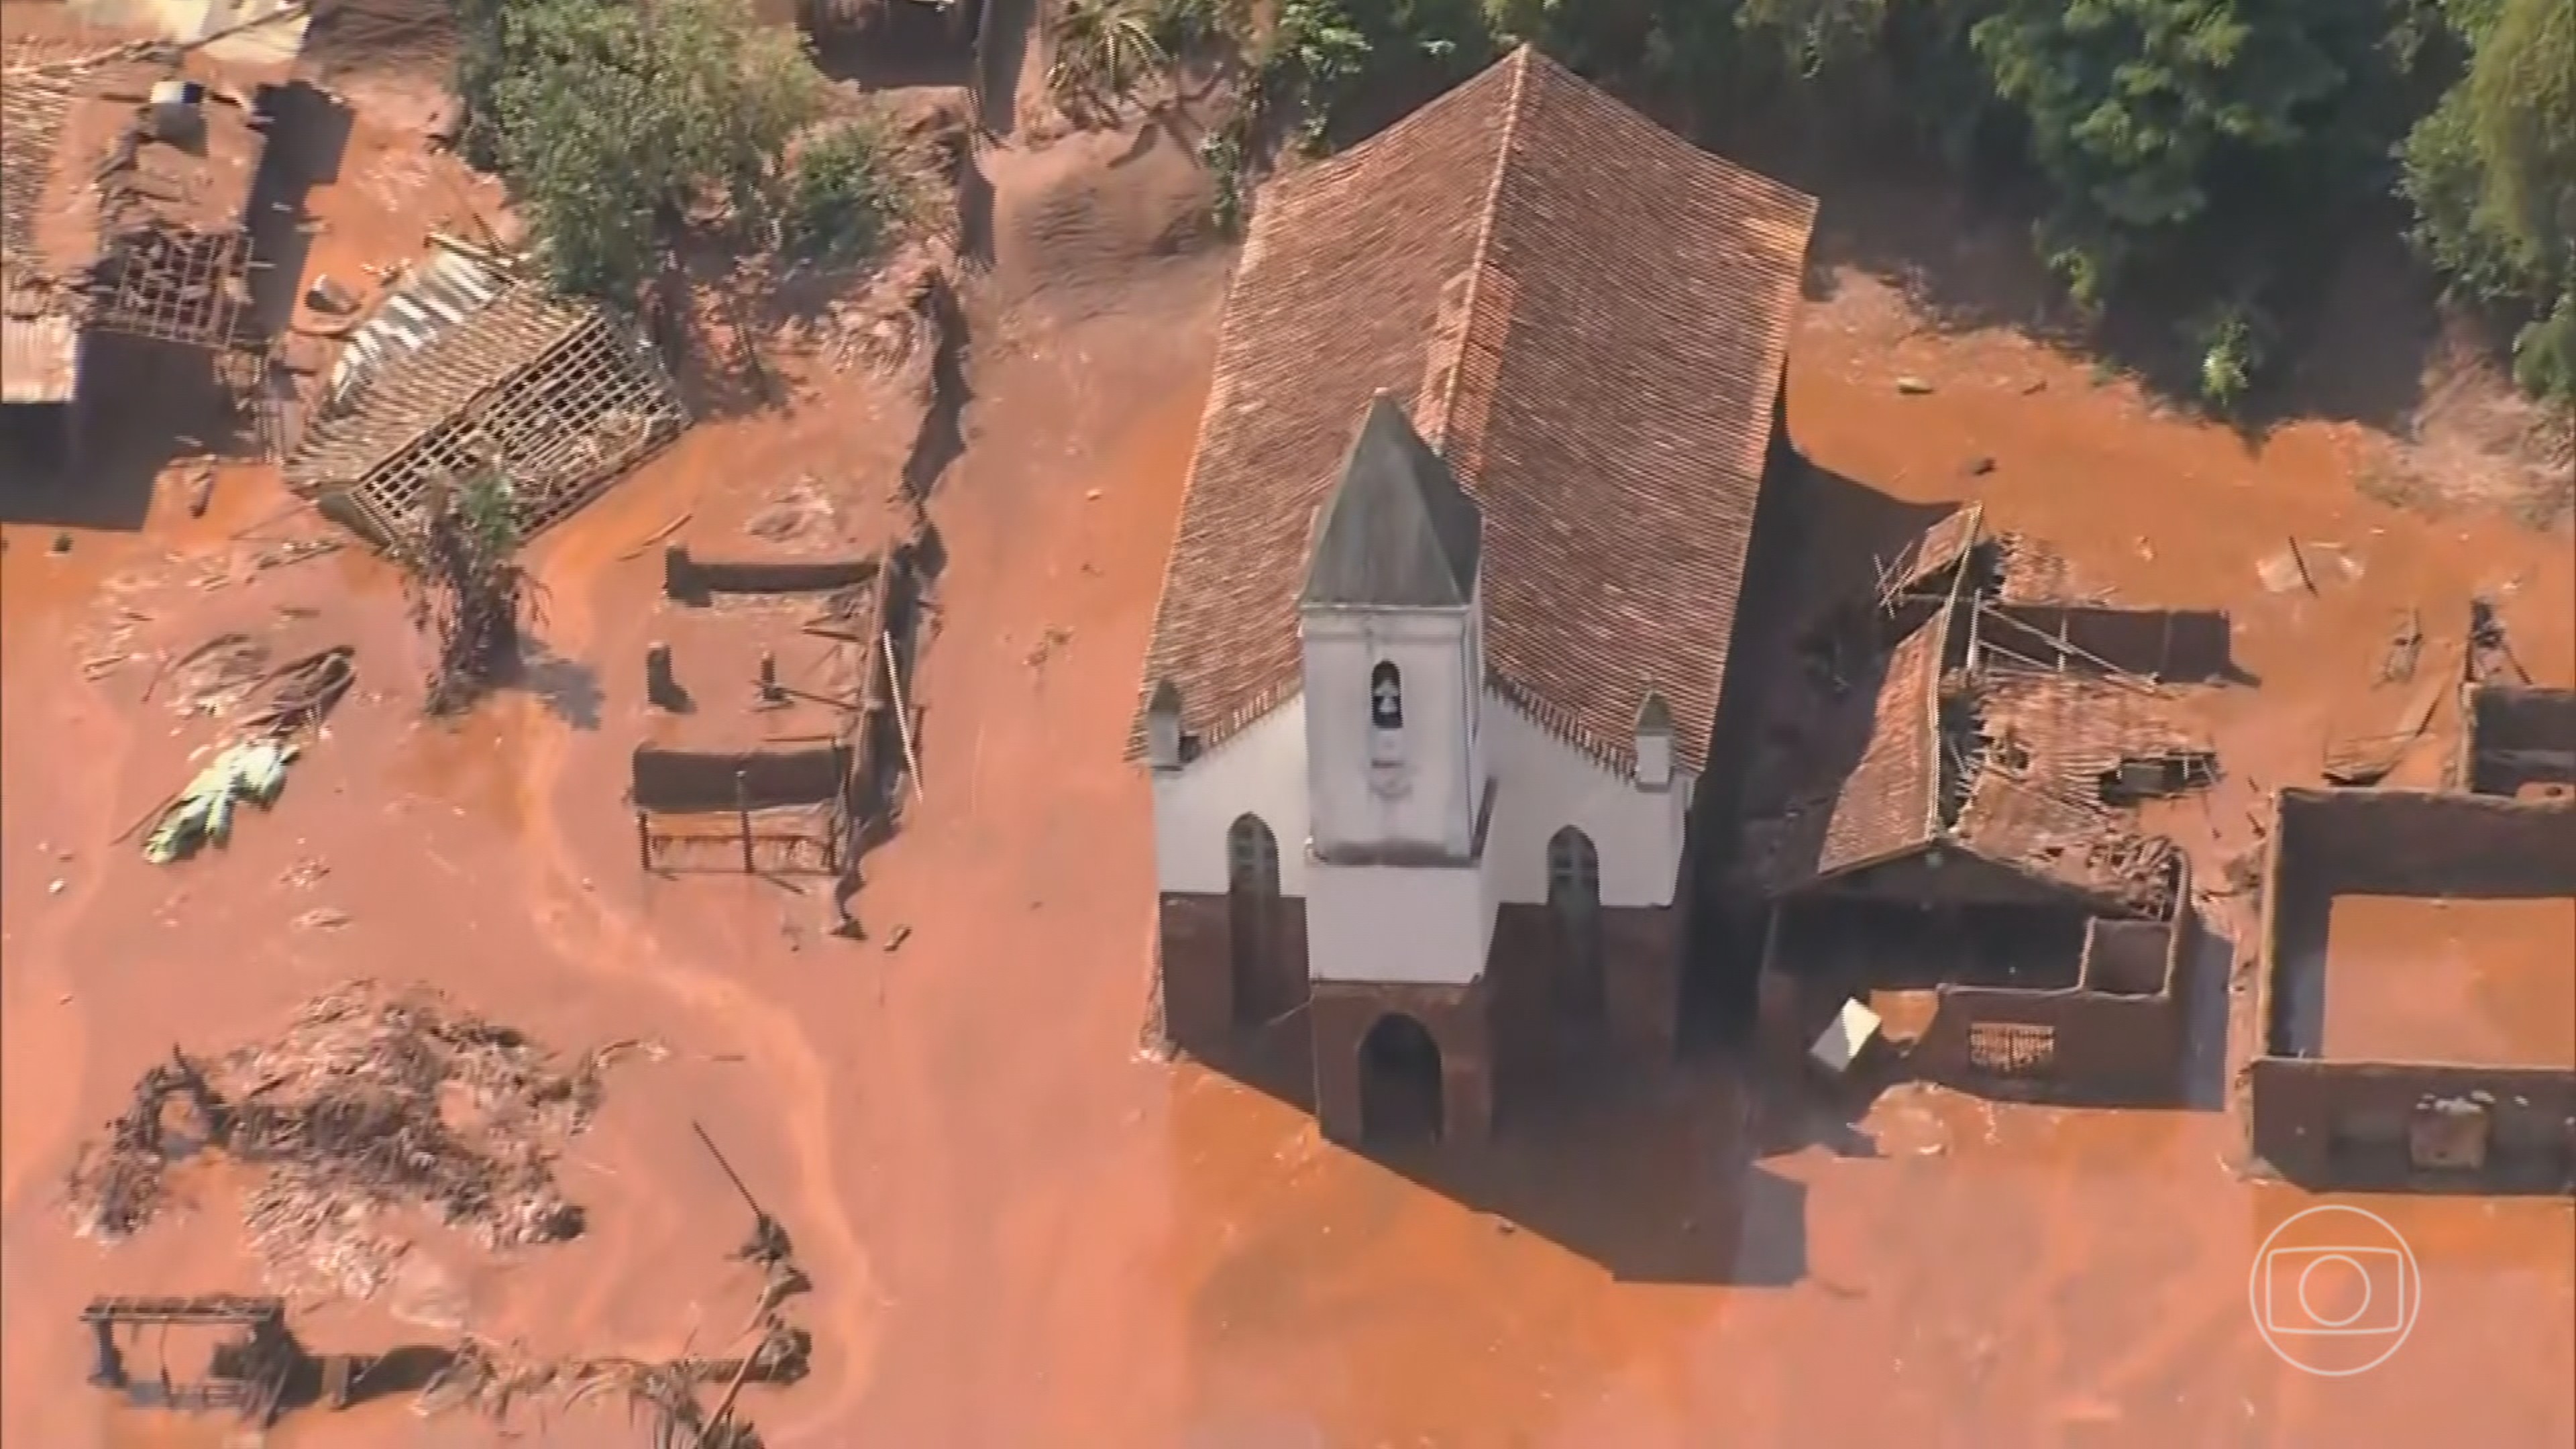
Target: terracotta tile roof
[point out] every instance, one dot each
(1887, 805)
(1589, 316)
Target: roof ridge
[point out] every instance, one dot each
(1480, 249)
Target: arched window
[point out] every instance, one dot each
(1573, 871)
(1386, 696)
(1251, 857)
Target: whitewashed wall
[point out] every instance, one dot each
(1429, 925)
(1546, 785)
(1436, 770)
(1261, 769)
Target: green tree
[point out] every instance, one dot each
(612, 120)
(2137, 109)
(2491, 172)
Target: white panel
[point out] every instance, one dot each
(1419, 925)
(1548, 785)
(1422, 795)
(1260, 769)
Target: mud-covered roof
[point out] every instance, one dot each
(2000, 762)
(456, 326)
(1586, 317)
(80, 169)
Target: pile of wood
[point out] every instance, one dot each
(343, 1111)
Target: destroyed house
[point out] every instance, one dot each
(125, 189)
(1444, 633)
(2415, 991)
(470, 368)
(1965, 857)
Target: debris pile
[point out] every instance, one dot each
(490, 1378)
(354, 1113)
(268, 710)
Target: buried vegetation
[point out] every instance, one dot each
(467, 591)
(371, 1101)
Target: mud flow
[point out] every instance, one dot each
(466, 1078)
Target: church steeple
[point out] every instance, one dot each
(1398, 532)
(1391, 618)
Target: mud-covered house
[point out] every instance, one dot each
(125, 189)
(1444, 635)
(1951, 835)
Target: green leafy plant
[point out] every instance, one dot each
(2491, 173)
(466, 589)
(1104, 48)
(1221, 151)
(846, 193)
(2234, 343)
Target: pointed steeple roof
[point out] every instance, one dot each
(1398, 532)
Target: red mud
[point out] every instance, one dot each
(2488, 982)
(1025, 1231)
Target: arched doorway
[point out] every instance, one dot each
(1574, 898)
(1399, 1081)
(1252, 914)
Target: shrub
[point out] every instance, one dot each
(846, 194)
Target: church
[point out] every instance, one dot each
(1441, 654)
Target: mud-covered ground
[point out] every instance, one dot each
(1025, 1230)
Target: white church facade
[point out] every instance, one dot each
(1441, 651)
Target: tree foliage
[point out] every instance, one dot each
(2138, 109)
(2491, 171)
(466, 589)
(847, 194)
(612, 118)
(2192, 158)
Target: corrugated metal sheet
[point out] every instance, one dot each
(450, 287)
(39, 359)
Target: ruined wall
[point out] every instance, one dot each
(2368, 1124)
(2329, 843)
(2118, 1037)
(2113, 1043)
(2129, 958)
(2517, 736)
(685, 781)
(2175, 644)
(2353, 1124)
(2424, 843)
(692, 578)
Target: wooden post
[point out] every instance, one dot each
(742, 813)
(643, 840)
(902, 716)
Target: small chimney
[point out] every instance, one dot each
(770, 693)
(1654, 742)
(1163, 726)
